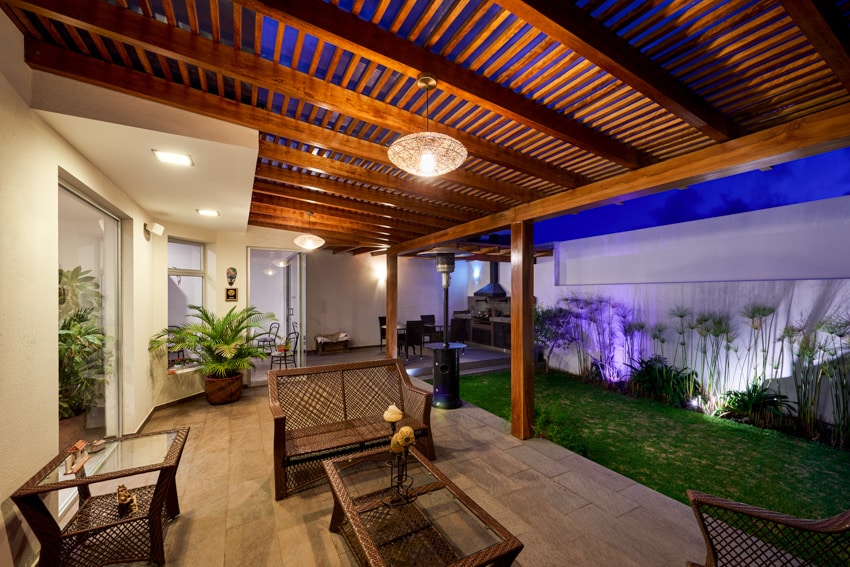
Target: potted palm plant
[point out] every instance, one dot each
(222, 347)
(82, 352)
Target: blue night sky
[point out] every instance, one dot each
(818, 177)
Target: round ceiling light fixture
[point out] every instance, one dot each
(309, 241)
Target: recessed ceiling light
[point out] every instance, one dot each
(208, 212)
(173, 158)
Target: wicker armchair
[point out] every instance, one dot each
(740, 534)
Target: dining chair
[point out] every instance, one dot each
(268, 340)
(285, 358)
(382, 326)
(430, 330)
(413, 335)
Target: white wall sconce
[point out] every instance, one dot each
(476, 272)
(154, 228)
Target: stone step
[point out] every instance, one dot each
(469, 366)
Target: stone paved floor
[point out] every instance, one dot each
(565, 509)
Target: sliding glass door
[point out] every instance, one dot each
(273, 285)
(89, 280)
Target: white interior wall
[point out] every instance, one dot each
(28, 234)
(33, 158)
(348, 293)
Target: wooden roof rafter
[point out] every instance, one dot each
(333, 83)
(610, 52)
(821, 22)
(356, 34)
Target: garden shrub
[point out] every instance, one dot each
(654, 378)
(759, 405)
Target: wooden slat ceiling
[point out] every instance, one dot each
(547, 97)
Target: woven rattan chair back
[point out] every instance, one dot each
(740, 534)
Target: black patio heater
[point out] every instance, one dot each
(446, 356)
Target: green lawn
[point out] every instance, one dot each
(671, 450)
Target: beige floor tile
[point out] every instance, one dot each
(615, 503)
(536, 460)
(254, 543)
(308, 544)
(541, 492)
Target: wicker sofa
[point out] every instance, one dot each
(740, 534)
(324, 411)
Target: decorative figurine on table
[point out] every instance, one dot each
(392, 416)
(126, 501)
(77, 457)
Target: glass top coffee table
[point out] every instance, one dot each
(441, 526)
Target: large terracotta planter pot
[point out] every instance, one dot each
(71, 430)
(223, 390)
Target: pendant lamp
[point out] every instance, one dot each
(309, 241)
(427, 154)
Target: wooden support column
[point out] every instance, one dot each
(522, 329)
(392, 306)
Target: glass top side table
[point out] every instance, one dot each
(100, 531)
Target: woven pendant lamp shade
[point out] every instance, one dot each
(427, 154)
(309, 241)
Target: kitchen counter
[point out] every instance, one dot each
(492, 331)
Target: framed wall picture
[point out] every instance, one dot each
(231, 294)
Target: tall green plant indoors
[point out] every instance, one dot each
(81, 343)
(222, 346)
(78, 289)
(82, 364)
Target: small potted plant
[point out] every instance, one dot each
(222, 347)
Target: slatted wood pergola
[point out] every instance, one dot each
(562, 106)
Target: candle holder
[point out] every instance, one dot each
(400, 492)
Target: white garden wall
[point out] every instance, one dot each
(717, 265)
